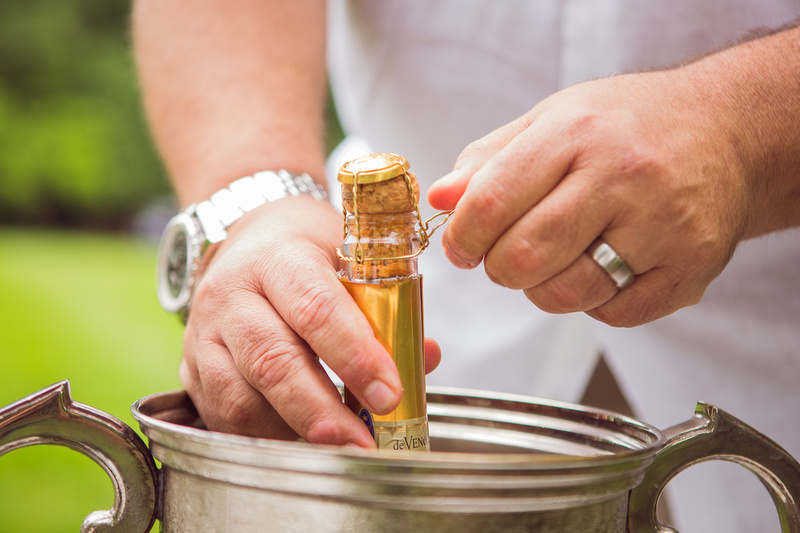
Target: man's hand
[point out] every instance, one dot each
(672, 168)
(267, 305)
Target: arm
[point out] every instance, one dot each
(673, 168)
(756, 86)
(232, 88)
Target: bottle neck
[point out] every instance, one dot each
(380, 246)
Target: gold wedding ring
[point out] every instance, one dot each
(610, 261)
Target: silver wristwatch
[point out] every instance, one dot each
(188, 234)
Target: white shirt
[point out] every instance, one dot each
(424, 79)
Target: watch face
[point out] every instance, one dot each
(176, 266)
(178, 257)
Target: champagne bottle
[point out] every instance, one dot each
(379, 255)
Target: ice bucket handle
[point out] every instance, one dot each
(714, 434)
(51, 417)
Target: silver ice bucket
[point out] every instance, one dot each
(499, 463)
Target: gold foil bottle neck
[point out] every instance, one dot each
(373, 168)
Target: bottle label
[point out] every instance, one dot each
(406, 435)
(394, 310)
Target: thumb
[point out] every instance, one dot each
(445, 193)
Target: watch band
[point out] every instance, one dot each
(245, 194)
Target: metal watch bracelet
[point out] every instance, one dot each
(245, 194)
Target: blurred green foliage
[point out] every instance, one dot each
(74, 147)
(77, 306)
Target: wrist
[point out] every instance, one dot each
(755, 100)
(186, 238)
(198, 183)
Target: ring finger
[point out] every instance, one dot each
(224, 399)
(582, 286)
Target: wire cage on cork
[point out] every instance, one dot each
(383, 226)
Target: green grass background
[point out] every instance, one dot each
(80, 307)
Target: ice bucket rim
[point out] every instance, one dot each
(646, 439)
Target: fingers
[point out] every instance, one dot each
(274, 377)
(253, 373)
(447, 191)
(433, 355)
(509, 183)
(318, 308)
(672, 254)
(532, 210)
(580, 287)
(636, 305)
(265, 308)
(280, 365)
(224, 400)
(615, 158)
(659, 287)
(547, 239)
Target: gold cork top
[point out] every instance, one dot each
(378, 183)
(373, 168)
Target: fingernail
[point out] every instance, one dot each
(380, 397)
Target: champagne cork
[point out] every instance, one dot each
(381, 196)
(390, 196)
